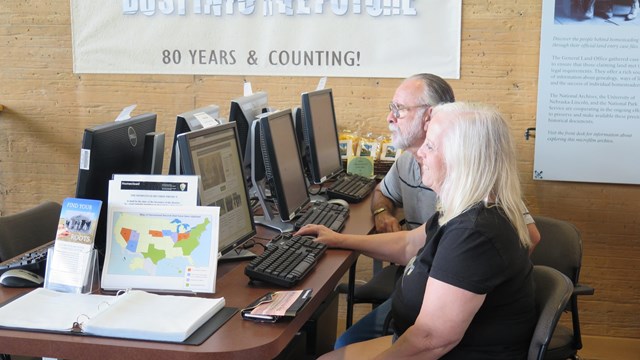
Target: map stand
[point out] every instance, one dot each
(90, 282)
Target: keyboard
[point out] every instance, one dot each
(34, 260)
(330, 215)
(287, 260)
(351, 187)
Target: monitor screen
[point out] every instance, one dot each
(112, 148)
(321, 135)
(214, 154)
(244, 110)
(192, 120)
(282, 163)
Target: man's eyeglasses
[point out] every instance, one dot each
(396, 108)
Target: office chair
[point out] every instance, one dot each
(552, 293)
(28, 229)
(553, 290)
(375, 291)
(560, 247)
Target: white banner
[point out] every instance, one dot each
(353, 38)
(588, 119)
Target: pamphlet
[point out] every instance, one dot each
(131, 315)
(70, 264)
(157, 190)
(277, 305)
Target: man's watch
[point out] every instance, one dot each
(379, 210)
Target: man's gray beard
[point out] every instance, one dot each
(405, 142)
(398, 141)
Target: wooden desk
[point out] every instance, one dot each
(237, 339)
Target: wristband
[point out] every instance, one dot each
(379, 210)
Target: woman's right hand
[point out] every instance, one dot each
(322, 233)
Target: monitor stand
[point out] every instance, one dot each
(274, 222)
(235, 255)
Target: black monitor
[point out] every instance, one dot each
(189, 121)
(213, 153)
(283, 170)
(321, 135)
(112, 148)
(244, 111)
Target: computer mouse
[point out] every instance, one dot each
(339, 202)
(20, 278)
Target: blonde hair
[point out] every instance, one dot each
(480, 161)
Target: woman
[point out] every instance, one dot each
(467, 293)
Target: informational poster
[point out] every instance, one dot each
(588, 118)
(354, 38)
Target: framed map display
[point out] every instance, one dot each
(168, 248)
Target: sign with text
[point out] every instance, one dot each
(588, 119)
(353, 38)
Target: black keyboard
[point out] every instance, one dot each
(287, 260)
(351, 187)
(330, 215)
(34, 260)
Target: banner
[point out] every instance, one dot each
(588, 119)
(351, 38)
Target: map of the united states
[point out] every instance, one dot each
(159, 245)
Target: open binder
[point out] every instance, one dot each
(132, 315)
(274, 306)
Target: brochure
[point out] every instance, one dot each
(70, 265)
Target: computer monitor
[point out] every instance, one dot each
(244, 111)
(112, 148)
(153, 153)
(284, 175)
(213, 153)
(189, 121)
(321, 135)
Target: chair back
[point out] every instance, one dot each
(28, 229)
(560, 246)
(552, 292)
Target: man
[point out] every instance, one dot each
(402, 187)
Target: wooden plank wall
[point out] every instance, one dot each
(46, 107)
